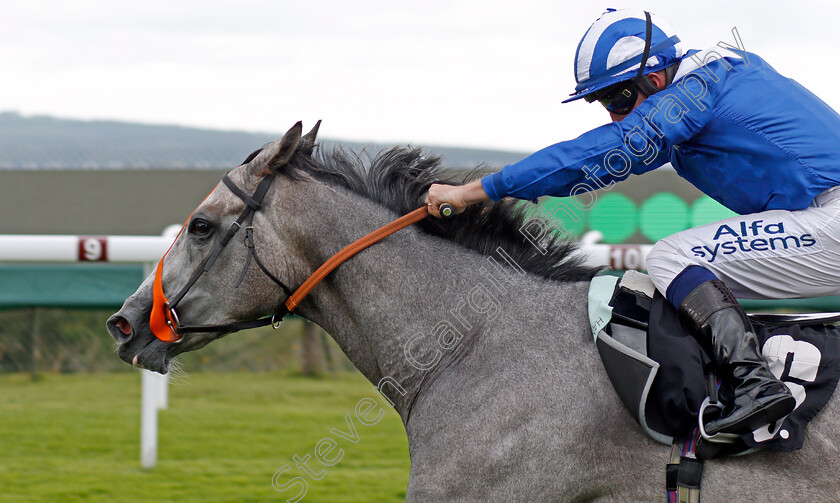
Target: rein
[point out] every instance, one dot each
(164, 322)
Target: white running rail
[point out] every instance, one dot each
(148, 250)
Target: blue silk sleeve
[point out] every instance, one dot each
(612, 152)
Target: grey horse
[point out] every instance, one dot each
(477, 334)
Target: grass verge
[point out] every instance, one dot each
(75, 438)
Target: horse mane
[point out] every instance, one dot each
(398, 179)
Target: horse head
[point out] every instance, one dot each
(213, 269)
(273, 220)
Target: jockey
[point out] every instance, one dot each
(755, 141)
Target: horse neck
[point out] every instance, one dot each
(402, 306)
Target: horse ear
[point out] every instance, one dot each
(277, 153)
(287, 147)
(307, 143)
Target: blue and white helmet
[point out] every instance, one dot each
(611, 50)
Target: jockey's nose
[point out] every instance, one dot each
(119, 328)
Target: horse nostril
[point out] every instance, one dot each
(120, 329)
(124, 326)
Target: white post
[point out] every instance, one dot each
(161, 381)
(66, 248)
(155, 397)
(149, 419)
(163, 391)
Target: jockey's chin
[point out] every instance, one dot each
(618, 118)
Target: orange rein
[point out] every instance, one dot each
(163, 324)
(352, 249)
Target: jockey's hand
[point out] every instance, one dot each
(459, 196)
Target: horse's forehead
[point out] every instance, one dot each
(221, 200)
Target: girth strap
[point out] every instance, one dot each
(684, 471)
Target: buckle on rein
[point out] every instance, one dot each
(275, 321)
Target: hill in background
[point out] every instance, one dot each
(42, 142)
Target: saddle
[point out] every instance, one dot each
(664, 377)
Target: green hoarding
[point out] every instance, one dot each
(67, 285)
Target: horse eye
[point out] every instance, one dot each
(200, 227)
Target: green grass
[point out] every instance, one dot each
(76, 438)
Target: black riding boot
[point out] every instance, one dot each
(760, 398)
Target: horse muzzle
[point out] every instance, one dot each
(137, 345)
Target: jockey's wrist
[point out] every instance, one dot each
(473, 192)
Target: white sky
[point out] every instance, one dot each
(447, 72)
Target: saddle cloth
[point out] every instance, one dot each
(658, 368)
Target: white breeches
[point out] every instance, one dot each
(774, 254)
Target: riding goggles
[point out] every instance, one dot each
(619, 98)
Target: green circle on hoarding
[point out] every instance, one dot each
(663, 214)
(568, 217)
(706, 210)
(616, 216)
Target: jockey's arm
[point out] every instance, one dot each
(598, 158)
(459, 196)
